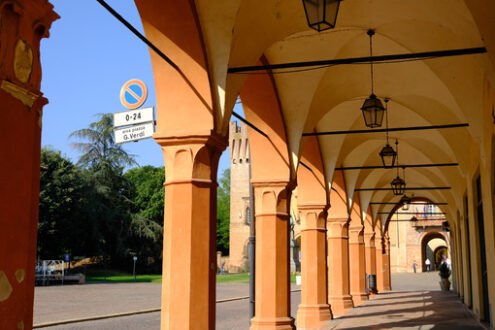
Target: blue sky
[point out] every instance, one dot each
(85, 62)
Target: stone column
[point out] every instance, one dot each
(339, 296)
(189, 239)
(23, 24)
(357, 265)
(380, 271)
(314, 311)
(386, 264)
(370, 257)
(272, 311)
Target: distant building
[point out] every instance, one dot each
(241, 201)
(419, 234)
(240, 197)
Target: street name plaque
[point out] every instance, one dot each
(134, 133)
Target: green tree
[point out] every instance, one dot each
(148, 193)
(62, 223)
(145, 236)
(110, 204)
(100, 150)
(223, 212)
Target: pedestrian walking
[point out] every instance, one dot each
(415, 266)
(428, 264)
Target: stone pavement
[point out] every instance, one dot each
(57, 303)
(416, 302)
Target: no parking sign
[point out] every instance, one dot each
(133, 94)
(136, 123)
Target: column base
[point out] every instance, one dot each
(279, 323)
(340, 305)
(313, 316)
(359, 298)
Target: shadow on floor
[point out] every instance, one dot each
(404, 309)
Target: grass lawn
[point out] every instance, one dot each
(228, 278)
(242, 278)
(233, 278)
(124, 278)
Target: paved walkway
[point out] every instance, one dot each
(415, 303)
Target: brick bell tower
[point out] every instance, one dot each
(241, 211)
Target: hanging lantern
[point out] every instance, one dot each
(321, 14)
(373, 111)
(388, 153)
(398, 186)
(372, 108)
(405, 201)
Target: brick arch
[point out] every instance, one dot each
(434, 234)
(398, 206)
(427, 237)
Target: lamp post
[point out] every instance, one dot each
(321, 14)
(372, 108)
(295, 266)
(134, 268)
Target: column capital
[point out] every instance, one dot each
(186, 137)
(192, 158)
(369, 239)
(313, 216)
(337, 229)
(356, 234)
(272, 197)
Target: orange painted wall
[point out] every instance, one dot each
(24, 23)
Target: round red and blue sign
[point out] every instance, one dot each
(133, 94)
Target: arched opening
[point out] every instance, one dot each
(433, 248)
(439, 254)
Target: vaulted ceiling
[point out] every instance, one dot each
(436, 91)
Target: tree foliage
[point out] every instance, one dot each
(148, 192)
(93, 208)
(146, 230)
(104, 162)
(99, 149)
(61, 213)
(223, 212)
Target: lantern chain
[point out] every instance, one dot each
(397, 150)
(371, 33)
(386, 116)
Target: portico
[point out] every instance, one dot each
(302, 122)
